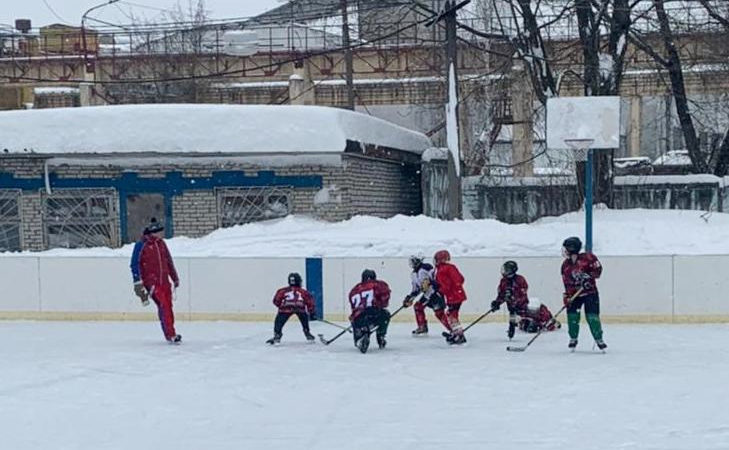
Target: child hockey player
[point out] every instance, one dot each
(450, 285)
(293, 299)
(423, 282)
(581, 270)
(369, 300)
(527, 316)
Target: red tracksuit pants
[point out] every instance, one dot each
(162, 296)
(422, 321)
(453, 319)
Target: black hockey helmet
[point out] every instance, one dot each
(368, 274)
(416, 261)
(509, 269)
(572, 245)
(294, 279)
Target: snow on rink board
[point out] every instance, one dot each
(117, 386)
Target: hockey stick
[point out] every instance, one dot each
(480, 318)
(551, 321)
(333, 324)
(349, 329)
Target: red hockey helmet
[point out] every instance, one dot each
(441, 256)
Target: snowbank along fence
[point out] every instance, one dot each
(633, 288)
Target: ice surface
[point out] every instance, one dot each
(112, 385)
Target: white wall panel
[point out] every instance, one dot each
(631, 286)
(86, 285)
(232, 285)
(19, 281)
(702, 285)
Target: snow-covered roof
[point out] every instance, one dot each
(199, 129)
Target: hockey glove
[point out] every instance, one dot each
(566, 299)
(407, 302)
(495, 305)
(141, 292)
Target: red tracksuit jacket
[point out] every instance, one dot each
(155, 263)
(450, 283)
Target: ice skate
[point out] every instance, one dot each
(421, 331)
(175, 340)
(275, 340)
(381, 342)
(309, 337)
(363, 343)
(601, 345)
(572, 344)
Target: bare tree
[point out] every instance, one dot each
(603, 27)
(673, 60)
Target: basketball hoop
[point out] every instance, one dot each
(580, 147)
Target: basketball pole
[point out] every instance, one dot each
(588, 202)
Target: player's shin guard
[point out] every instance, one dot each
(573, 324)
(593, 320)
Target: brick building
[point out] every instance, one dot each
(79, 177)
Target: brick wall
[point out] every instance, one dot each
(382, 188)
(31, 228)
(359, 185)
(194, 213)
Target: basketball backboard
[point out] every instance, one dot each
(571, 119)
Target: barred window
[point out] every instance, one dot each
(9, 220)
(74, 218)
(237, 206)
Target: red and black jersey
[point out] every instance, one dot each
(574, 273)
(450, 283)
(293, 299)
(516, 286)
(371, 293)
(155, 263)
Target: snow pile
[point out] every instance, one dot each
(199, 129)
(616, 232)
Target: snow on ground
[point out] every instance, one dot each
(113, 385)
(616, 232)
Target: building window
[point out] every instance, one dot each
(9, 220)
(237, 206)
(74, 218)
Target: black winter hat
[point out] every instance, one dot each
(154, 226)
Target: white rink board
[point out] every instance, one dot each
(703, 287)
(632, 287)
(19, 281)
(238, 286)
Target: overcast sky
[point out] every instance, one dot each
(44, 12)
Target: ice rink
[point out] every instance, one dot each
(117, 385)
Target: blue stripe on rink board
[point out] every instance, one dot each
(315, 284)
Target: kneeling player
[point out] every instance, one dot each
(423, 282)
(527, 316)
(535, 317)
(290, 300)
(369, 300)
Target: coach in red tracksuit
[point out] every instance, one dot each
(156, 270)
(450, 285)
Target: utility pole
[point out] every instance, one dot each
(450, 16)
(348, 59)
